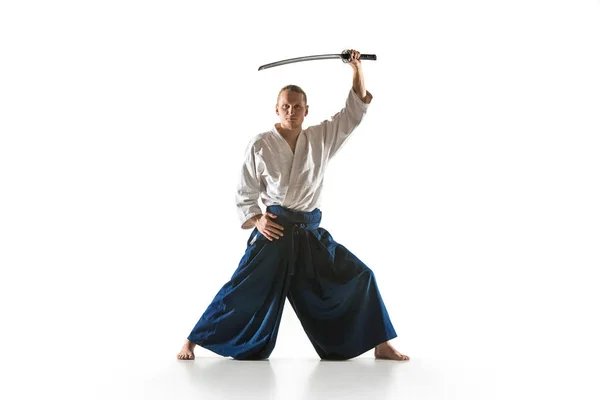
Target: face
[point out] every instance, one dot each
(291, 109)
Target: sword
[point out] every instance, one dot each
(345, 56)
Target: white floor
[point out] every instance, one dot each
(99, 373)
(294, 378)
(279, 378)
(312, 379)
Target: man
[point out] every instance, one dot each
(288, 255)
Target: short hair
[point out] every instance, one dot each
(292, 88)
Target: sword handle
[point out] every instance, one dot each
(346, 56)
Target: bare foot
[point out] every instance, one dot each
(385, 351)
(187, 351)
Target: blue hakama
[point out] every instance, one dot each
(333, 293)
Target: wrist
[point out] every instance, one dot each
(255, 219)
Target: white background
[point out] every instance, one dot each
(471, 188)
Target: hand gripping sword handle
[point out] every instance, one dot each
(346, 56)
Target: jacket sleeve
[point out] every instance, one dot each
(248, 189)
(338, 128)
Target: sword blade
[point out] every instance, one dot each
(299, 59)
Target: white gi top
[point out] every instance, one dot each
(294, 179)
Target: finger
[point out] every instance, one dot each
(271, 215)
(267, 235)
(276, 227)
(275, 233)
(274, 224)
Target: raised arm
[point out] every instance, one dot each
(358, 78)
(338, 128)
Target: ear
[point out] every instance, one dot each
(306, 111)
(277, 109)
